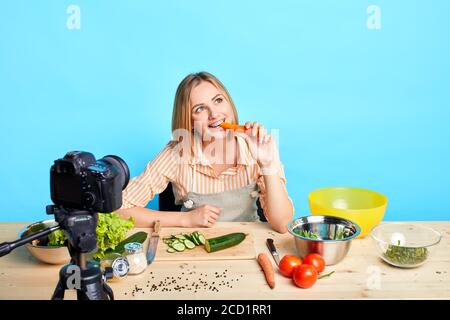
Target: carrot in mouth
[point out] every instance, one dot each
(231, 126)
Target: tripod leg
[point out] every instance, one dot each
(108, 291)
(92, 285)
(60, 288)
(58, 294)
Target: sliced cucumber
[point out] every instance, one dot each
(195, 239)
(189, 244)
(201, 238)
(180, 242)
(179, 246)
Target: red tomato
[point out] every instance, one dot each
(288, 264)
(305, 276)
(315, 260)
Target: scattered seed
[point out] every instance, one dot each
(171, 283)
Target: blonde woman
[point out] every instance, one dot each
(216, 174)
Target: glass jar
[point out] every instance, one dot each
(134, 252)
(118, 263)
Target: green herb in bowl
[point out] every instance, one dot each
(399, 255)
(340, 234)
(307, 234)
(405, 245)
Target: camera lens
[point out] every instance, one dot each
(124, 171)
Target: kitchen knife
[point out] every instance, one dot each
(273, 250)
(153, 242)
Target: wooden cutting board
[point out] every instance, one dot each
(242, 251)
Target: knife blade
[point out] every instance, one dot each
(273, 250)
(153, 242)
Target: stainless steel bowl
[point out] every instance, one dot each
(334, 236)
(51, 255)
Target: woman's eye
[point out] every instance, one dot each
(199, 109)
(219, 100)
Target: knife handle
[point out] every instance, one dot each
(271, 246)
(156, 226)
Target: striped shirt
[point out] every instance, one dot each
(195, 175)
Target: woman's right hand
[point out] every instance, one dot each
(204, 216)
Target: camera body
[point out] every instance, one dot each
(79, 181)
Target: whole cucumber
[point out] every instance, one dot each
(224, 242)
(137, 237)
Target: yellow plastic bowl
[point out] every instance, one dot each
(364, 207)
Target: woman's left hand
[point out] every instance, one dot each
(261, 145)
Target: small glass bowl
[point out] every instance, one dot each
(405, 245)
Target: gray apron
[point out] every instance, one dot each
(238, 204)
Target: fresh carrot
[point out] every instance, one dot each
(231, 126)
(267, 268)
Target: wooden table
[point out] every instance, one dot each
(361, 275)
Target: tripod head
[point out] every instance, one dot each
(80, 229)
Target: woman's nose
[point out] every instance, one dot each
(213, 113)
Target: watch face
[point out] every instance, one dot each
(189, 204)
(120, 267)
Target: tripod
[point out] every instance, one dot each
(80, 228)
(91, 285)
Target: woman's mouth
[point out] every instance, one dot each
(216, 124)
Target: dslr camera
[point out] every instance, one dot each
(79, 181)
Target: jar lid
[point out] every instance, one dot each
(133, 247)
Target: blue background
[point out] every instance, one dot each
(358, 107)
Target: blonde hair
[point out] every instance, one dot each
(181, 115)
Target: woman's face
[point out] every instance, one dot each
(209, 108)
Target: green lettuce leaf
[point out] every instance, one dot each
(111, 230)
(56, 238)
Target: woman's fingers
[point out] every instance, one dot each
(261, 134)
(207, 223)
(251, 145)
(211, 208)
(255, 129)
(209, 214)
(214, 216)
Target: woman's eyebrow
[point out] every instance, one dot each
(212, 99)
